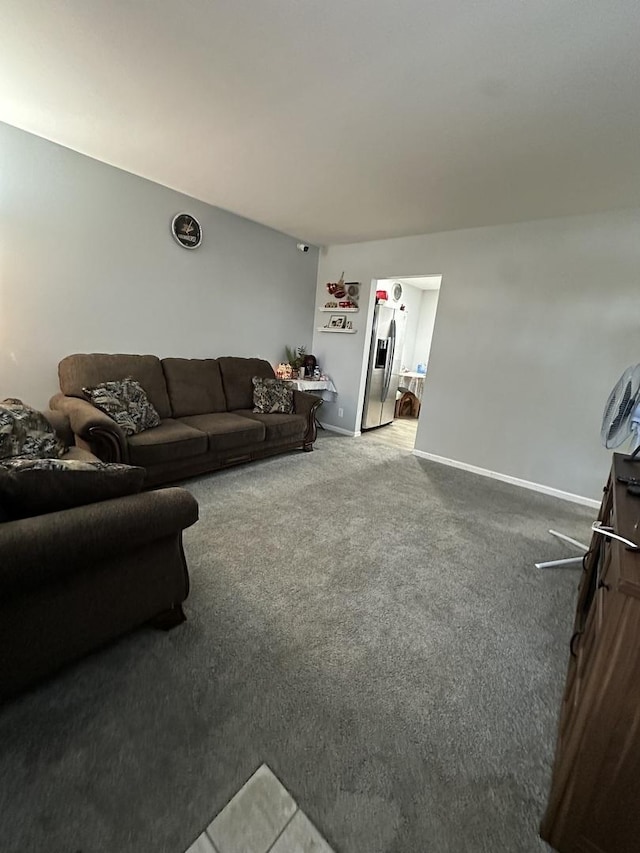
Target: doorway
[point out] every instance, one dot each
(415, 298)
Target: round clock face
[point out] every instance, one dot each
(397, 291)
(186, 230)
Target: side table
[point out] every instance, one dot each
(323, 388)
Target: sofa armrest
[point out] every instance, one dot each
(304, 403)
(38, 549)
(307, 404)
(103, 435)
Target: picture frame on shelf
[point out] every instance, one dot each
(337, 321)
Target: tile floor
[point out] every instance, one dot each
(262, 817)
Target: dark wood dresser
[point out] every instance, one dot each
(594, 803)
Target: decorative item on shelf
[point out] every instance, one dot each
(353, 289)
(337, 321)
(349, 325)
(337, 327)
(337, 288)
(283, 371)
(330, 304)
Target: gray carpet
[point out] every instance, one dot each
(368, 624)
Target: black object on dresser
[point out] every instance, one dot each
(594, 802)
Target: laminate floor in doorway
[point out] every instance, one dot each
(400, 433)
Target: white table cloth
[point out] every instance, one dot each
(322, 387)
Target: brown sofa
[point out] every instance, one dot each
(206, 411)
(70, 581)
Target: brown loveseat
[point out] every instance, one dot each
(206, 411)
(72, 580)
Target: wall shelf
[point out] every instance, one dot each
(338, 331)
(340, 310)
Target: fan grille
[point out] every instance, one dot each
(616, 420)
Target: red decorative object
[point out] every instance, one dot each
(337, 288)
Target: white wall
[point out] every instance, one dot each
(421, 306)
(426, 325)
(87, 264)
(535, 323)
(343, 356)
(412, 300)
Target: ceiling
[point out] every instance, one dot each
(342, 120)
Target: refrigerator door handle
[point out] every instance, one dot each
(391, 349)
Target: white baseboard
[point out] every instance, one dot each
(332, 428)
(514, 481)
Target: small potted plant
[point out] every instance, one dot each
(295, 357)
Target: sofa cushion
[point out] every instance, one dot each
(171, 440)
(194, 386)
(271, 396)
(86, 370)
(278, 427)
(26, 432)
(35, 486)
(237, 376)
(226, 430)
(126, 402)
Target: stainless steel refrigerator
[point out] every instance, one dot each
(385, 361)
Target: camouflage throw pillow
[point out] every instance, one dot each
(35, 486)
(272, 396)
(26, 432)
(28, 463)
(126, 402)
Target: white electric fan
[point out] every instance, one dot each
(621, 419)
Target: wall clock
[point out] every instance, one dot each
(186, 230)
(397, 291)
